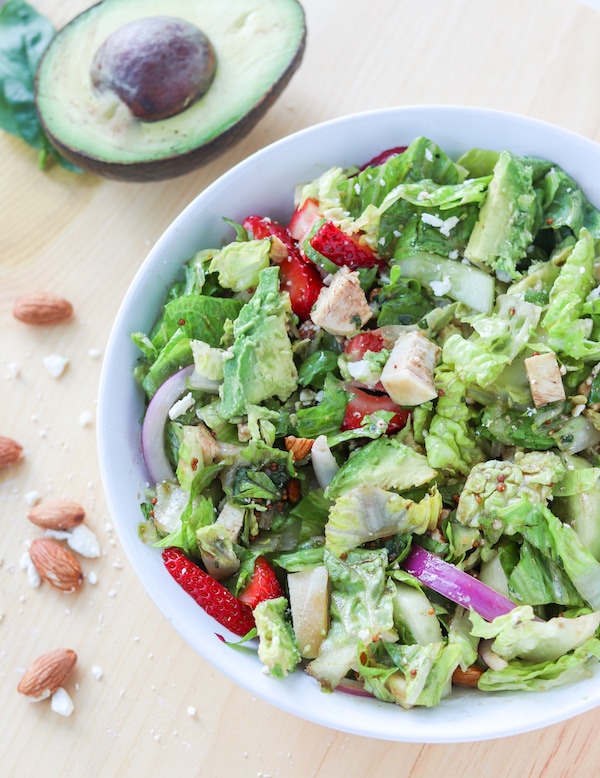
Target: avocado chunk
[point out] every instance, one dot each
(260, 363)
(504, 229)
(145, 90)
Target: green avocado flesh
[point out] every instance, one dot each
(258, 45)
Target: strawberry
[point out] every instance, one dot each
(341, 249)
(263, 584)
(363, 404)
(302, 280)
(357, 346)
(212, 596)
(259, 227)
(303, 219)
(384, 156)
(298, 275)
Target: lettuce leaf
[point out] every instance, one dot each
(361, 610)
(450, 443)
(519, 634)
(497, 340)
(367, 513)
(327, 416)
(568, 332)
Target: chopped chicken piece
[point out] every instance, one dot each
(309, 603)
(342, 308)
(407, 376)
(545, 380)
(232, 519)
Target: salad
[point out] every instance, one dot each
(373, 433)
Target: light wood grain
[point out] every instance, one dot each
(84, 238)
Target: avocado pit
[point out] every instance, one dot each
(157, 65)
(133, 90)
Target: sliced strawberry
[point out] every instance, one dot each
(302, 280)
(364, 403)
(303, 219)
(263, 584)
(384, 156)
(341, 249)
(357, 346)
(298, 275)
(210, 595)
(259, 227)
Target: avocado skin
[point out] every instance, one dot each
(182, 163)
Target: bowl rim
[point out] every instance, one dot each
(467, 716)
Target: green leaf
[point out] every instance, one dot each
(402, 300)
(24, 36)
(326, 417)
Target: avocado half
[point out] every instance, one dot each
(257, 46)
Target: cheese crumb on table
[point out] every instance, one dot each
(55, 364)
(61, 703)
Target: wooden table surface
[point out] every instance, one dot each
(159, 709)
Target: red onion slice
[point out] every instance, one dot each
(348, 686)
(153, 427)
(456, 585)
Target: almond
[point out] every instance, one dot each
(47, 673)
(300, 447)
(56, 564)
(57, 514)
(468, 677)
(42, 308)
(10, 451)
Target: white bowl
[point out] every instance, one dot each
(264, 183)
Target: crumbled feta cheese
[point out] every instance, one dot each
(440, 288)
(81, 539)
(362, 370)
(453, 254)
(449, 224)
(97, 672)
(61, 703)
(431, 219)
(33, 576)
(84, 541)
(13, 370)
(191, 711)
(85, 418)
(32, 497)
(443, 225)
(503, 276)
(92, 578)
(306, 396)
(94, 353)
(181, 406)
(55, 364)
(27, 565)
